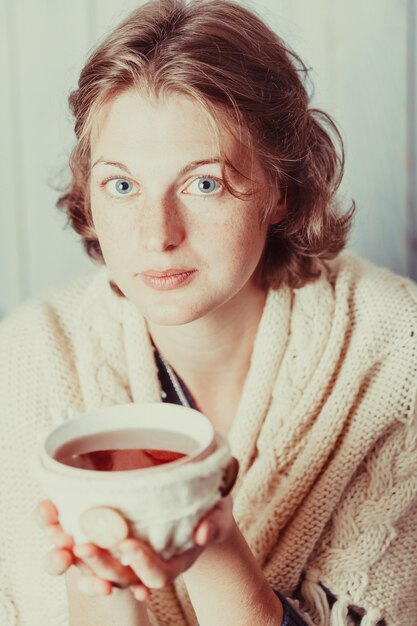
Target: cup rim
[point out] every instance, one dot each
(153, 410)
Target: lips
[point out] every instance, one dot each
(167, 272)
(167, 279)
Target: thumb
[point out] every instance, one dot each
(229, 476)
(217, 525)
(104, 526)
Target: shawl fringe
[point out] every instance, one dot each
(316, 604)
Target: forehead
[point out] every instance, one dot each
(173, 125)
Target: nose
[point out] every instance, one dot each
(161, 226)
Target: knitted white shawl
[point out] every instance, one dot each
(325, 434)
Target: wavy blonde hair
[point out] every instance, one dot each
(223, 56)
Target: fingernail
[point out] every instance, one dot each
(99, 587)
(83, 550)
(138, 556)
(62, 540)
(212, 531)
(140, 594)
(51, 531)
(155, 582)
(128, 545)
(104, 526)
(126, 558)
(52, 563)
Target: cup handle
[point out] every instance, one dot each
(229, 476)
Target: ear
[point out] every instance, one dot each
(280, 211)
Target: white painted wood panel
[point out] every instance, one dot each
(52, 41)
(371, 95)
(11, 252)
(411, 162)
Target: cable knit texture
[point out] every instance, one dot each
(325, 434)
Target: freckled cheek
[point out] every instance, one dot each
(111, 234)
(110, 226)
(243, 244)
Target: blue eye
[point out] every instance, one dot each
(204, 185)
(207, 185)
(123, 186)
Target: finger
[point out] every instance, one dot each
(150, 568)
(104, 565)
(141, 592)
(56, 561)
(182, 562)
(45, 513)
(154, 571)
(58, 537)
(92, 585)
(205, 533)
(229, 477)
(104, 526)
(217, 525)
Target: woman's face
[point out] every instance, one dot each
(159, 207)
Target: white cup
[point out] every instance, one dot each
(162, 504)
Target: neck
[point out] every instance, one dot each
(216, 347)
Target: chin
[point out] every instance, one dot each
(170, 314)
(179, 307)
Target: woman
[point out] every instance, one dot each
(206, 187)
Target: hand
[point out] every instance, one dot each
(156, 572)
(65, 553)
(140, 568)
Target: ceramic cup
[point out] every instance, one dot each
(162, 504)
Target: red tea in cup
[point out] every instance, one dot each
(170, 494)
(121, 450)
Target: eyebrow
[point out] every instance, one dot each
(190, 166)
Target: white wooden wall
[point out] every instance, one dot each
(363, 59)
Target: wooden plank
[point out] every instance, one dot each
(52, 40)
(12, 279)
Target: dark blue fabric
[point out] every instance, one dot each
(167, 386)
(291, 616)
